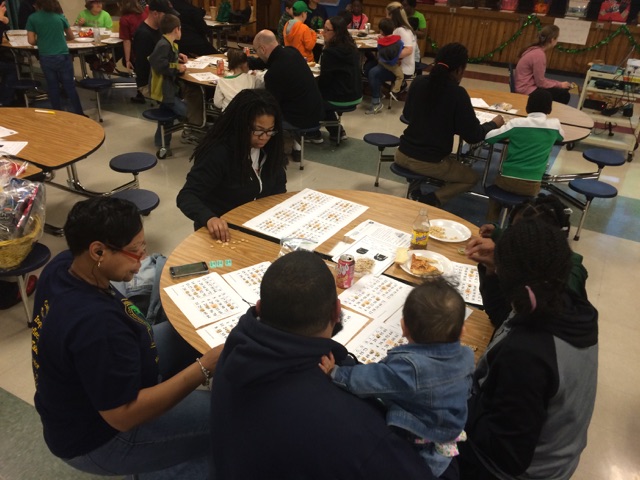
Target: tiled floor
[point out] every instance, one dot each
(612, 262)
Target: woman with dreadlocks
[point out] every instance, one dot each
(437, 109)
(240, 159)
(534, 388)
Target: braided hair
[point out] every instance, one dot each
(233, 129)
(448, 59)
(547, 208)
(533, 261)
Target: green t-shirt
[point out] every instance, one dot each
(49, 28)
(422, 22)
(103, 19)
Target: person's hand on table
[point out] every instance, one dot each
(486, 230)
(498, 120)
(566, 85)
(218, 229)
(327, 363)
(182, 58)
(481, 250)
(182, 68)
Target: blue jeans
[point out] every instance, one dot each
(174, 445)
(377, 76)
(8, 84)
(179, 107)
(58, 69)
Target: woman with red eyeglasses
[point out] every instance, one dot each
(116, 395)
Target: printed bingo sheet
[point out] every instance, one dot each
(352, 323)
(308, 214)
(375, 297)
(468, 282)
(371, 345)
(246, 281)
(217, 333)
(207, 299)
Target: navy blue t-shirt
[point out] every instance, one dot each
(92, 350)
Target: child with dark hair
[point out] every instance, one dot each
(531, 139)
(535, 386)
(357, 19)
(287, 15)
(389, 48)
(165, 70)
(425, 383)
(49, 29)
(238, 79)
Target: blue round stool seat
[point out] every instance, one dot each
(159, 115)
(133, 162)
(593, 188)
(38, 256)
(604, 157)
(95, 83)
(26, 84)
(145, 200)
(503, 197)
(381, 140)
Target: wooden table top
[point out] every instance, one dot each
(567, 115)
(394, 212)
(55, 139)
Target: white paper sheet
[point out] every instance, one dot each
(246, 281)
(371, 228)
(18, 41)
(479, 103)
(207, 299)
(197, 65)
(309, 214)
(205, 77)
(467, 282)
(11, 148)
(216, 333)
(375, 297)
(484, 117)
(371, 345)
(352, 323)
(6, 132)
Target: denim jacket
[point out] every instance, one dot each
(425, 389)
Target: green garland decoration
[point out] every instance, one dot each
(534, 20)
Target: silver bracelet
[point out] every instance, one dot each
(207, 373)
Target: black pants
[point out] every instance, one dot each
(560, 95)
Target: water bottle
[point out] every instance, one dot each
(96, 34)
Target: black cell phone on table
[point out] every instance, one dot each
(189, 269)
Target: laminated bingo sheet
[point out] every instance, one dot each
(375, 297)
(309, 214)
(206, 299)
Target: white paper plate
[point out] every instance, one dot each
(441, 262)
(16, 32)
(84, 39)
(112, 40)
(453, 231)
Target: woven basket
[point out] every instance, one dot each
(13, 252)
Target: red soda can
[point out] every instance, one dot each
(220, 68)
(346, 270)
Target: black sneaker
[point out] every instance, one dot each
(296, 156)
(315, 137)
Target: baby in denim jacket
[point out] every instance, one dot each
(424, 384)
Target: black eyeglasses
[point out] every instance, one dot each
(268, 133)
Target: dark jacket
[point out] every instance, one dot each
(194, 41)
(27, 7)
(340, 80)
(144, 41)
(429, 136)
(214, 186)
(389, 49)
(290, 80)
(275, 414)
(533, 395)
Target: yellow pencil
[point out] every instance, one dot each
(46, 111)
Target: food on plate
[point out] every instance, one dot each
(441, 233)
(402, 255)
(364, 265)
(423, 266)
(85, 33)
